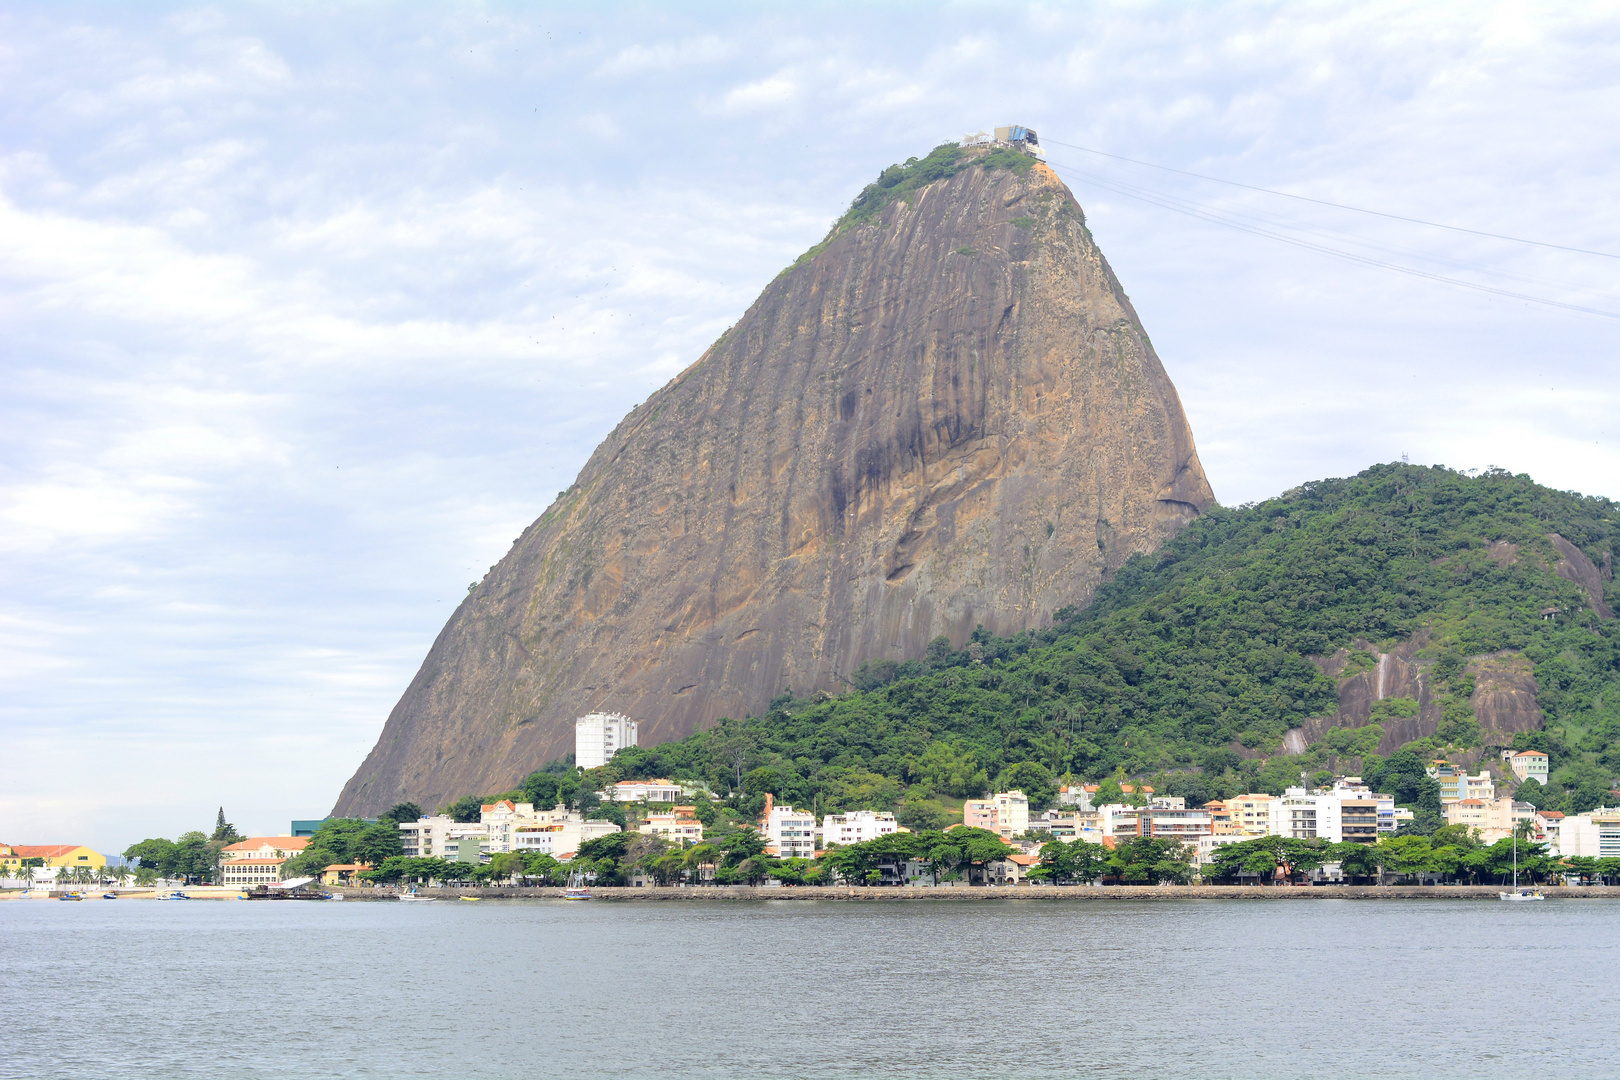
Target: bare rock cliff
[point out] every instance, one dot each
(946, 417)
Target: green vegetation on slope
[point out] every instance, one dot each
(1191, 664)
(898, 182)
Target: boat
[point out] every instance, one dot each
(412, 896)
(576, 889)
(109, 896)
(1519, 894)
(176, 895)
(472, 899)
(70, 896)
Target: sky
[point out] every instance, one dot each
(306, 311)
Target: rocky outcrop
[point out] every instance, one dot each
(1504, 697)
(946, 417)
(1573, 565)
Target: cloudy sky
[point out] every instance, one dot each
(307, 310)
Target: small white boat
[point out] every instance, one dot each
(1519, 894)
(576, 889)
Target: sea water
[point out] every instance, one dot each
(1207, 989)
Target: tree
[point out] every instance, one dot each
(1033, 779)
(401, 813)
(154, 854)
(949, 767)
(465, 809)
(1077, 861)
(376, 844)
(224, 831)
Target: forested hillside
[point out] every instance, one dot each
(1191, 665)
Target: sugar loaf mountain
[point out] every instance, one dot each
(929, 517)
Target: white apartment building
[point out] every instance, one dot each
(791, 832)
(598, 736)
(659, 791)
(558, 835)
(437, 837)
(1117, 819)
(1594, 834)
(857, 827)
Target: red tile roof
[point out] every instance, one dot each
(44, 851)
(284, 843)
(1530, 753)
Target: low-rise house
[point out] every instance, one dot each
(1013, 870)
(679, 826)
(1548, 823)
(343, 873)
(1077, 796)
(1456, 784)
(1528, 765)
(652, 791)
(857, 827)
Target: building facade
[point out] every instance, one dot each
(857, 827)
(598, 736)
(1529, 765)
(437, 837)
(791, 832)
(69, 855)
(651, 791)
(679, 826)
(1594, 834)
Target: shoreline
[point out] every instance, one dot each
(945, 894)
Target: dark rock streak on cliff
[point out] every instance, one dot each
(948, 417)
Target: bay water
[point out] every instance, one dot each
(717, 989)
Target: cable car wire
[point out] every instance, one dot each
(1336, 206)
(1193, 210)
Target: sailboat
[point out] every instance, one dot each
(1516, 894)
(576, 889)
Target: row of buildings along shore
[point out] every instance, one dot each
(1345, 811)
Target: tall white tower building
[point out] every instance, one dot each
(599, 736)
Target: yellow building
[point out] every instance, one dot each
(54, 855)
(1250, 814)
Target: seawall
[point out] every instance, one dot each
(880, 894)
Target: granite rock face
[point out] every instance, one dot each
(948, 417)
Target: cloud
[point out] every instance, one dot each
(307, 314)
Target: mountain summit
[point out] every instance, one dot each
(946, 414)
